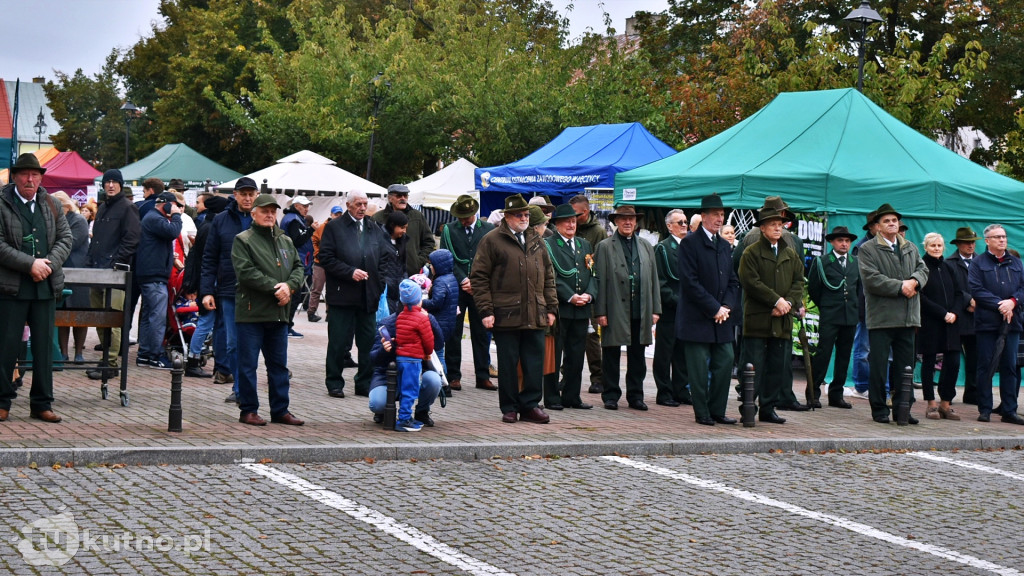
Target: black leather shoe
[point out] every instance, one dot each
(686, 402)
(553, 406)
(816, 404)
(911, 420)
(881, 419)
(336, 393)
(794, 407)
(724, 419)
(839, 404)
(641, 406)
(595, 389)
(983, 417)
(580, 406)
(671, 403)
(705, 421)
(349, 363)
(609, 405)
(1013, 419)
(772, 417)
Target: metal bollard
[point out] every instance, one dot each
(906, 390)
(174, 413)
(748, 410)
(390, 412)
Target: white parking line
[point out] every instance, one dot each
(836, 521)
(403, 532)
(970, 465)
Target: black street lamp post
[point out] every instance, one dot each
(380, 89)
(865, 16)
(40, 126)
(129, 110)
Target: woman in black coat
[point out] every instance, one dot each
(941, 304)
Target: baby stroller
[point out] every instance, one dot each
(182, 317)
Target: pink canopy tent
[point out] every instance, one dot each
(68, 171)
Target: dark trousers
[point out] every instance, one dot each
(478, 340)
(1009, 386)
(570, 349)
(272, 339)
(770, 357)
(525, 349)
(708, 370)
(669, 362)
(594, 355)
(947, 379)
(39, 315)
(840, 338)
(882, 341)
(636, 368)
(343, 324)
(969, 345)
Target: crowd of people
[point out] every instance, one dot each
(548, 284)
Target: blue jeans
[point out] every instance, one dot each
(152, 320)
(272, 339)
(430, 387)
(861, 371)
(409, 370)
(226, 315)
(1008, 384)
(203, 329)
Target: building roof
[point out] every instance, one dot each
(31, 99)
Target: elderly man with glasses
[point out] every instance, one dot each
(669, 360)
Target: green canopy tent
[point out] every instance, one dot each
(832, 151)
(177, 161)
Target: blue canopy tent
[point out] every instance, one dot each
(578, 158)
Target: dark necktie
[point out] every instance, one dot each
(31, 206)
(842, 261)
(519, 236)
(775, 250)
(469, 231)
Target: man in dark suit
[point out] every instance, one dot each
(35, 240)
(352, 254)
(461, 237)
(832, 284)
(708, 292)
(669, 361)
(960, 262)
(576, 287)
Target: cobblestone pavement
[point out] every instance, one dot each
(102, 431)
(780, 513)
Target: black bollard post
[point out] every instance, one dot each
(174, 413)
(748, 410)
(905, 391)
(389, 406)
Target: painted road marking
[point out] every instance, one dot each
(408, 534)
(837, 521)
(970, 465)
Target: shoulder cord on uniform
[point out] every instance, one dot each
(554, 262)
(821, 270)
(668, 268)
(447, 240)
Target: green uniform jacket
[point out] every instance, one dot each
(882, 275)
(515, 284)
(421, 239)
(462, 246)
(833, 289)
(572, 276)
(13, 261)
(765, 278)
(666, 256)
(613, 298)
(263, 257)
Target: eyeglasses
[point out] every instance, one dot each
(1000, 237)
(521, 214)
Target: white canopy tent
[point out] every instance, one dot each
(309, 174)
(442, 188)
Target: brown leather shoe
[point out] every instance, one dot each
(509, 417)
(485, 385)
(252, 419)
(287, 419)
(535, 415)
(46, 416)
(455, 384)
(4, 414)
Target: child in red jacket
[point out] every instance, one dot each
(414, 341)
